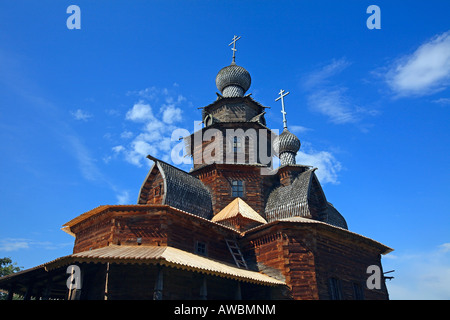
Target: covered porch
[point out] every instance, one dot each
(141, 273)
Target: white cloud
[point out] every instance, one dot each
(81, 115)
(140, 112)
(425, 71)
(325, 162)
(420, 275)
(154, 137)
(171, 114)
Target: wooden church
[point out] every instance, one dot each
(234, 227)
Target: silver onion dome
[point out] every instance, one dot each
(233, 81)
(286, 145)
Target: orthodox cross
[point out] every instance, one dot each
(235, 38)
(282, 95)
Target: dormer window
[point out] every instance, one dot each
(237, 188)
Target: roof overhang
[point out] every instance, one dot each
(157, 255)
(132, 209)
(293, 221)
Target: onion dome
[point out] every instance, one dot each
(233, 81)
(286, 145)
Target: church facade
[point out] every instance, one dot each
(234, 227)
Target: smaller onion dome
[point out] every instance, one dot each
(286, 145)
(233, 81)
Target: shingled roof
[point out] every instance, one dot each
(333, 217)
(291, 200)
(295, 200)
(182, 191)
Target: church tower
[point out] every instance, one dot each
(234, 147)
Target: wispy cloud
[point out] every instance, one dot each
(13, 77)
(420, 275)
(15, 244)
(157, 124)
(298, 129)
(425, 71)
(123, 197)
(334, 104)
(442, 101)
(86, 162)
(322, 76)
(331, 99)
(81, 115)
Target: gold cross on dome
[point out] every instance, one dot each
(235, 38)
(282, 95)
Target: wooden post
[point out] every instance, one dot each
(10, 292)
(203, 289)
(158, 292)
(238, 294)
(48, 289)
(27, 295)
(105, 296)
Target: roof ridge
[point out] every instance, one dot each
(166, 163)
(236, 207)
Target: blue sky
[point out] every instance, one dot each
(80, 109)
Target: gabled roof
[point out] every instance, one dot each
(295, 200)
(181, 190)
(238, 207)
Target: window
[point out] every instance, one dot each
(237, 188)
(358, 292)
(334, 286)
(158, 190)
(237, 145)
(200, 248)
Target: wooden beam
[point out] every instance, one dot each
(203, 289)
(46, 294)
(10, 292)
(158, 292)
(238, 294)
(106, 291)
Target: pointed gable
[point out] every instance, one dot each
(303, 197)
(239, 215)
(166, 184)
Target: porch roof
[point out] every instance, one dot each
(163, 255)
